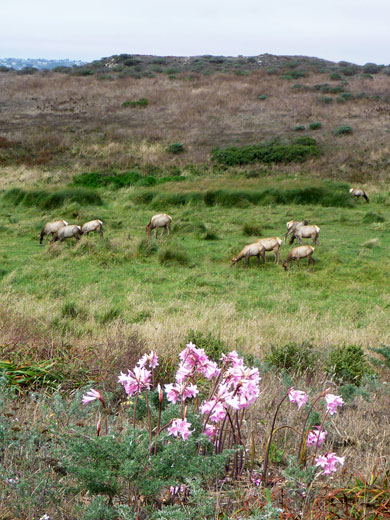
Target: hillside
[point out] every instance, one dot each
(102, 122)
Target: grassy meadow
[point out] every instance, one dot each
(162, 288)
(75, 314)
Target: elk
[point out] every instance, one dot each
(271, 244)
(300, 252)
(93, 225)
(161, 220)
(255, 249)
(68, 232)
(357, 192)
(51, 228)
(305, 232)
(292, 225)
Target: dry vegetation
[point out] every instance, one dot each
(64, 122)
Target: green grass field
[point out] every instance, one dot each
(185, 281)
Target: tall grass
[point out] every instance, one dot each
(45, 199)
(335, 196)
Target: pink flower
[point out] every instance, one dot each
(151, 358)
(134, 382)
(316, 437)
(160, 393)
(232, 358)
(185, 391)
(256, 478)
(297, 396)
(332, 402)
(211, 430)
(209, 369)
(328, 462)
(180, 427)
(92, 395)
(183, 372)
(215, 409)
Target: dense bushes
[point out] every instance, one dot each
(348, 364)
(274, 152)
(333, 196)
(52, 199)
(121, 180)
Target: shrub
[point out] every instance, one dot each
(251, 229)
(348, 364)
(263, 96)
(384, 351)
(292, 357)
(372, 217)
(214, 347)
(142, 102)
(121, 180)
(315, 126)
(273, 152)
(335, 76)
(299, 128)
(346, 96)
(175, 148)
(171, 255)
(343, 130)
(325, 99)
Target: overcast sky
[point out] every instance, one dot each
(351, 30)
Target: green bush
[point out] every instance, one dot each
(214, 347)
(268, 153)
(299, 128)
(335, 76)
(343, 130)
(52, 199)
(335, 195)
(175, 148)
(142, 102)
(348, 364)
(262, 97)
(315, 126)
(325, 99)
(294, 358)
(121, 180)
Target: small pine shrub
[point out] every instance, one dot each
(346, 96)
(142, 102)
(343, 130)
(315, 126)
(325, 99)
(175, 148)
(299, 128)
(292, 357)
(335, 76)
(348, 364)
(262, 97)
(251, 230)
(214, 347)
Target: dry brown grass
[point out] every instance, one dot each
(79, 122)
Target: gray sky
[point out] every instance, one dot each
(351, 30)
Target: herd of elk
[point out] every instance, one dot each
(296, 229)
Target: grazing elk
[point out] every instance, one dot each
(161, 220)
(271, 244)
(68, 232)
(305, 232)
(93, 225)
(300, 252)
(357, 192)
(292, 225)
(50, 228)
(256, 249)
